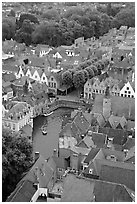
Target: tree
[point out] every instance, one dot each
(51, 14)
(16, 159)
(79, 79)
(27, 16)
(126, 17)
(90, 72)
(86, 74)
(67, 78)
(8, 29)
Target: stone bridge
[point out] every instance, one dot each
(62, 103)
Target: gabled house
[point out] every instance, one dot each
(116, 122)
(88, 89)
(7, 91)
(36, 182)
(6, 68)
(21, 72)
(130, 156)
(53, 82)
(128, 90)
(120, 106)
(108, 165)
(79, 189)
(19, 115)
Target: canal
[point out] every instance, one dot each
(45, 144)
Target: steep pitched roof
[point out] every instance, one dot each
(8, 77)
(120, 106)
(122, 173)
(130, 157)
(129, 143)
(40, 172)
(119, 135)
(91, 155)
(80, 189)
(23, 193)
(60, 162)
(10, 68)
(81, 123)
(99, 139)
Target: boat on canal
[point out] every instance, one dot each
(48, 114)
(44, 129)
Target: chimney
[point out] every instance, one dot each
(55, 153)
(36, 156)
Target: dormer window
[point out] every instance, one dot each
(90, 171)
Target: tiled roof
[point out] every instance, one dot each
(99, 139)
(81, 123)
(10, 68)
(17, 109)
(80, 189)
(8, 77)
(21, 81)
(41, 170)
(23, 193)
(60, 162)
(119, 135)
(122, 173)
(129, 143)
(130, 124)
(130, 155)
(120, 106)
(91, 155)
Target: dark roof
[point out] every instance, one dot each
(79, 189)
(129, 143)
(23, 192)
(10, 68)
(60, 162)
(81, 123)
(91, 155)
(117, 174)
(119, 135)
(41, 169)
(99, 139)
(120, 106)
(8, 77)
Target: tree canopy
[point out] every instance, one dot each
(16, 159)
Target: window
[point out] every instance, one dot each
(60, 169)
(90, 171)
(127, 88)
(13, 126)
(96, 91)
(90, 89)
(54, 85)
(132, 96)
(100, 91)
(49, 84)
(122, 95)
(125, 91)
(43, 78)
(52, 79)
(35, 77)
(129, 92)
(86, 95)
(129, 96)
(125, 95)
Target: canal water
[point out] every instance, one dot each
(45, 144)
